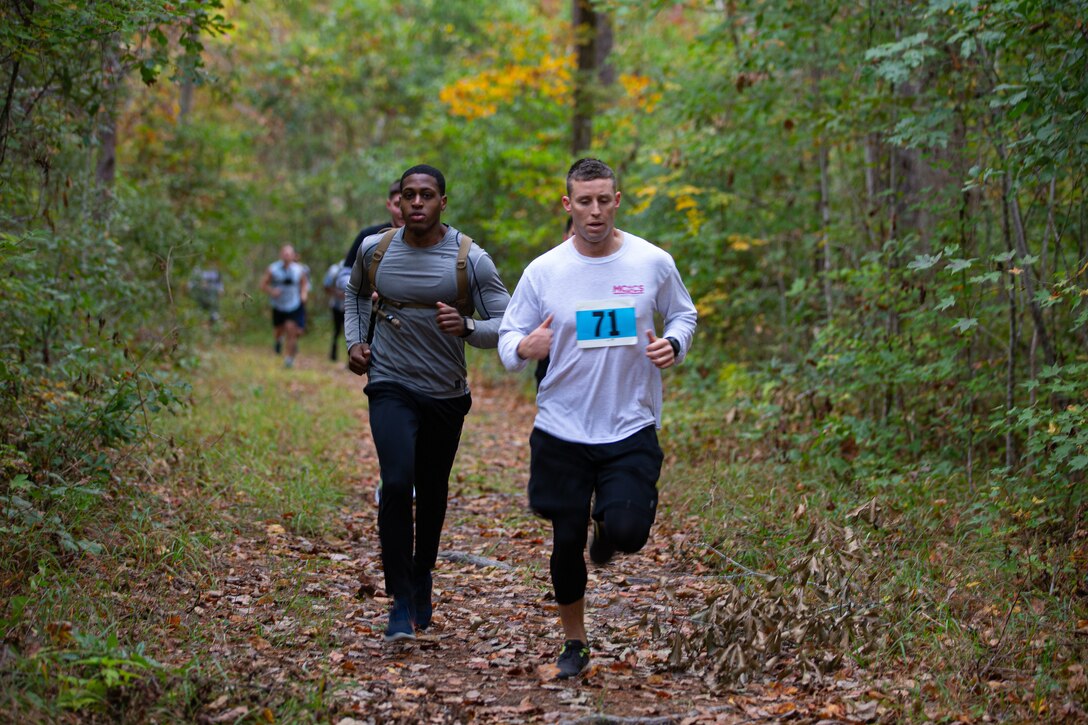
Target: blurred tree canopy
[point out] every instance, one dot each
(879, 207)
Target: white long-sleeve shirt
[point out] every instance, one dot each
(600, 386)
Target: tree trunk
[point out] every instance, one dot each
(606, 72)
(1028, 271)
(5, 114)
(592, 43)
(1010, 368)
(185, 99)
(827, 262)
(105, 171)
(188, 71)
(873, 227)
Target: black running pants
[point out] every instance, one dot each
(416, 437)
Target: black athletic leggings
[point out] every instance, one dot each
(337, 331)
(564, 475)
(416, 437)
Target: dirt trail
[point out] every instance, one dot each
(489, 657)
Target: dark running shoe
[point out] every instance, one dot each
(424, 609)
(601, 549)
(573, 658)
(401, 621)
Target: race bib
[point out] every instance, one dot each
(606, 323)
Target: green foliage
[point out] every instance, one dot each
(65, 63)
(86, 673)
(77, 385)
(87, 349)
(100, 672)
(1055, 426)
(891, 286)
(348, 100)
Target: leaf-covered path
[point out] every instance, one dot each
(295, 614)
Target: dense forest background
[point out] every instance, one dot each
(879, 209)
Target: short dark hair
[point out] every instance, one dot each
(588, 169)
(429, 171)
(394, 188)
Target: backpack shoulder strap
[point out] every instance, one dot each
(376, 258)
(464, 296)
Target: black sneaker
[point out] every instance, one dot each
(424, 609)
(401, 621)
(573, 658)
(601, 549)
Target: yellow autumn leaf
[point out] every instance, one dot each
(696, 219)
(685, 202)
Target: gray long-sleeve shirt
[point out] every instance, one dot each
(417, 354)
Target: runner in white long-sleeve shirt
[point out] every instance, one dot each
(590, 304)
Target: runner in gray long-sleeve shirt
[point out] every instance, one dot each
(419, 354)
(417, 382)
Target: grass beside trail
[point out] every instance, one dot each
(90, 635)
(975, 597)
(277, 444)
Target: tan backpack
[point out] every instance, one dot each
(463, 303)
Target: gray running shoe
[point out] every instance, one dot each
(401, 621)
(573, 658)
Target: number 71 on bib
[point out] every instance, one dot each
(606, 323)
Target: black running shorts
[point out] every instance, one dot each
(298, 315)
(563, 475)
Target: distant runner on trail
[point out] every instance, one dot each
(396, 220)
(335, 296)
(287, 284)
(206, 287)
(427, 282)
(590, 304)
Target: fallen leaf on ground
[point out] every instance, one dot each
(231, 715)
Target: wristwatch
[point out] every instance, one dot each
(675, 346)
(470, 326)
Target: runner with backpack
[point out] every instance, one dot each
(409, 310)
